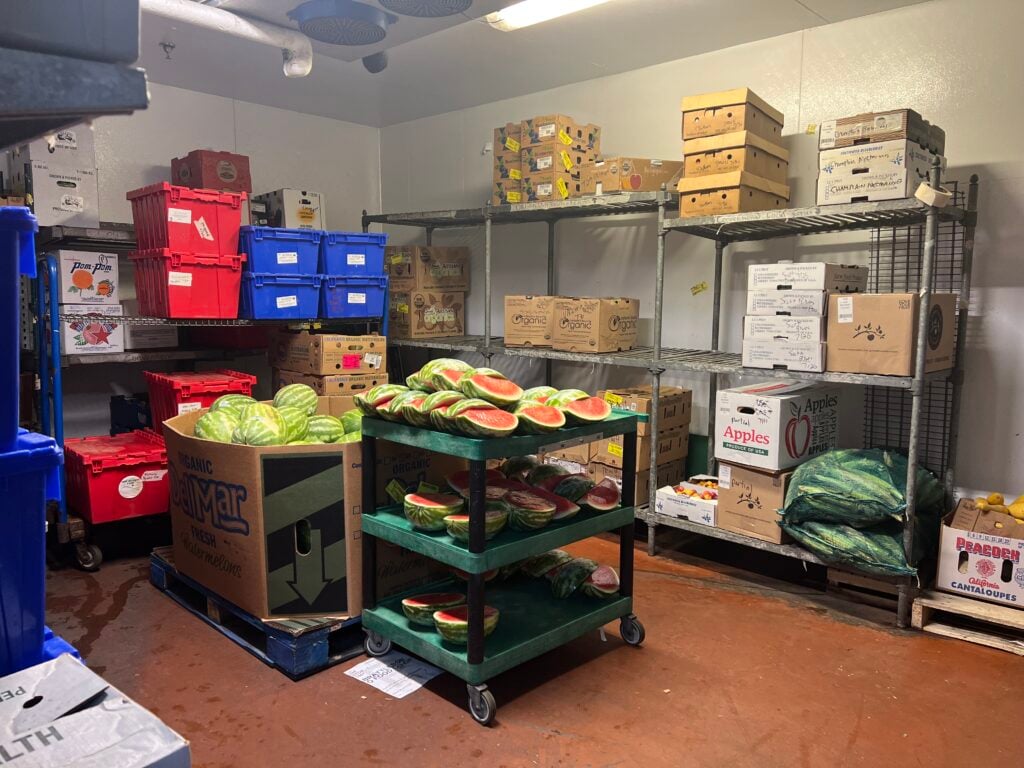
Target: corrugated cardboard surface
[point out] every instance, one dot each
(740, 151)
(631, 174)
(711, 120)
(675, 405)
(595, 325)
(736, 192)
(666, 474)
(881, 126)
(981, 555)
(426, 315)
(808, 276)
(673, 446)
(328, 353)
(331, 385)
(749, 501)
(529, 320)
(427, 268)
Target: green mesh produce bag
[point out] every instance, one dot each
(877, 550)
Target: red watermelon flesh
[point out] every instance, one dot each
(488, 575)
(563, 507)
(588, 410)
(451, 376)
(459, 481)
(488, 387)
(602, 582)
(603, 497)
(490, 421)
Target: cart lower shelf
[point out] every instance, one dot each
(532, 622)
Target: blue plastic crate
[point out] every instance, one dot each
(279, 297)
(352, 254)
(55, 645)
(276, 251)
(355, 297)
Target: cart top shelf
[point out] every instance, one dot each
(475, 448)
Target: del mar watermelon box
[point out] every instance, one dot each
(776, 425)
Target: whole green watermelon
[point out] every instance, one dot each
(263, 425)
(296, 420)
(216, 425)
(232, 404)
(301, 396)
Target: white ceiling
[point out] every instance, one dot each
(442, 65)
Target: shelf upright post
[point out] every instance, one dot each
(477, 544)
(548, 374)
(957, 377)
(41, 350)
(487, 286)
(628, 531)
(656, 370)
(430, 235)
(366, 221)
(931, 232)
(716, 323)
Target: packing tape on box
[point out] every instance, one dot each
(938, 198)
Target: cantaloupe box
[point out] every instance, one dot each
(793, 303)
(888, 170)
(749, 501)
(328, 353)
(99, 333)
(327, 386)
(877, 333)
(776, 425)
(427, 268)
(807, 276)
(692, 508)
(739, 109)
(981, 555)
(733, 192)
(595, 324)
(529, 321)
(239, 513)
(88, 278)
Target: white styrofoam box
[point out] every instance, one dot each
(696, 510)
(886, 170)
(88, 278)
(776, 425)
(95, 336)
(788, 355)
(72, 147)
(807, 276)
(59, 195)
(795, 303)
(805, 329)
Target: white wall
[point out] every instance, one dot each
(286, 149)
(958, 62)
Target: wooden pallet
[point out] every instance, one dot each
(863, 589)
(297, 647)
(963, 618)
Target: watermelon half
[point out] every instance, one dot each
(420, 609)
(543, 472)
(587, 411)
(516, 467)
(539, 394)
(427, 511)
(453, 623)
(603, 582)
(459, 481)
(574, 487)
(492, 422)
(495, 520)
(536, 419)
(564, 509)
(483, 384)
(603, 497)
(527, 511)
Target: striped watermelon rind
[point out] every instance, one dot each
(564, 509)
(392, 409)
(495, 520)
(588, 410)
(539, 565)
(324, 429)
(538, 394)
(352, 421)
(427, 511)
(296, 420)
(570, 577)
(602, 583)
(262, 425)
(603, 497)
(527, 511)
(301, 396)
(542, 472)
(486, 422)
(573, 487)
(453, 624)
(565, 396)
(216, 425)
(420, 609)
(232, 403)
(482, 383)
(466, 404)
(538, 419)
(408, 410)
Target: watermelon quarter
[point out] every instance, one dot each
(538, 394)
(486, 422)
(603, 497)
(564, 509)
(539, 565)
(495, 520)
(570, 577)
(537, 419)
(392, 409)
(586, 410)
(527, 511)
(372, 399)
(490, 385)
(459, 481)
(427, 511)
(563, 397)
(420, 609)
(453, 623)
(602, 582)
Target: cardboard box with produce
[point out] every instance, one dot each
(695, 500)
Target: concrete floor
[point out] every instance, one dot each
(735, 672)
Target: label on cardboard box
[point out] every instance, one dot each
(793, 303)
(512, 145)
(724, 477)
(189, 407)
(612, 399)
(845, 306)
(808, 276)
(615, 449)
(88, 278)
(547, 131)
(288, 257)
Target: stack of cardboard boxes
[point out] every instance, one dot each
(572, 324)
(876, 156)
(332, 364)
(56, 177)
(428, 287)
(733, 159)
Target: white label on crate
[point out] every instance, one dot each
(183, 279)
(546, 131)
(189, 407)
(356, 259)
(203, 229)
(543, 163)
(845, 309)
(724, 476)
(130, 487)
(357, 298)
(179, 215)
(287, 301)
(372, 360)
(288, 257)
(153, 475)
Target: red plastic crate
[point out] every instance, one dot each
(185, 285)
(171, 394)
(200, 221)
(116, 478)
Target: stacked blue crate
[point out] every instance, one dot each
(354, 284)
(282, 280)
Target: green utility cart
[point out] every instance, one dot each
(532, 620)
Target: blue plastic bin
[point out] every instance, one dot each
(356, 297)
(276, 251)
(352, 254)
(29, 475)
(279, 297)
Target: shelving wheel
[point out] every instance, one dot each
(632, 631)
(482, 705)
(375, 645)
(88, 557)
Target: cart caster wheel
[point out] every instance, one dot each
(632, 630)
(375, 645)
(482, 705)
(88, 557)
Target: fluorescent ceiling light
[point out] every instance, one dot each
(530, 12)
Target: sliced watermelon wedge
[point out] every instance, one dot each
(604, 582)
(603, 497)
(587, 411)
(459, 481)
(564, 509)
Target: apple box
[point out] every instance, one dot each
(776, 425)
(981, 555)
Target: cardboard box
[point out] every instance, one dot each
(877, 333)
(529, 321)
(73, 147)
(146, 336)
(57, 194)
(61, 714)
(236, 511)
(889, 170)
(207, 169)
(665, 474)
(740, 109)
(573, 465)
(673, 446)
(426, 315)
(731, 152)
(553, 156)
(675, 405)
(88, 278)
(508, 168)
(550, 186)
(981, 554)
(791, 303)
(564, 130)
(630, 174)
(427, 268)
(881, 126)
(327, 386)
(294, 209)
(805, 329)
(692, 508)
(737, 192)
(595, 325)
(508, 140)
(776, 425)
(807, 276)
(749, 501)
(507, 192)
(90, 337)
(328, 353)
(784, 355)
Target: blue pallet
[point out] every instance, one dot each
(279, 297)
(277, 251)
(352, 254)
(296, 647)
(353, 297)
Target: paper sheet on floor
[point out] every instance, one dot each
(395, 674)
